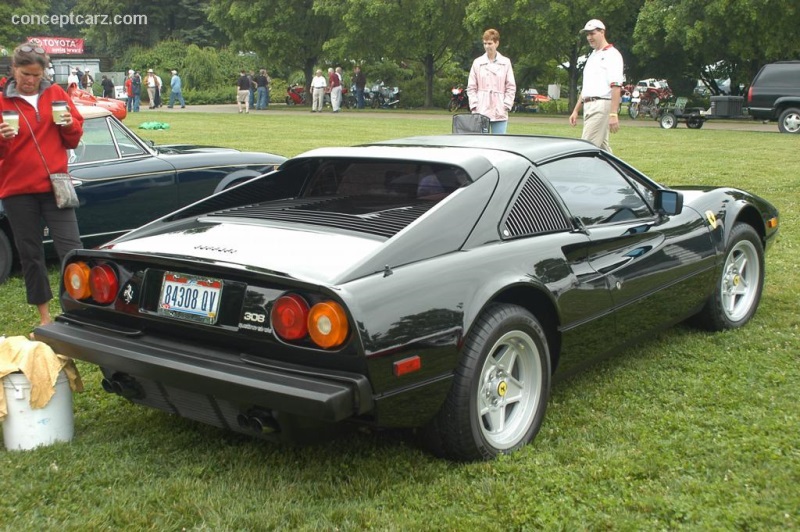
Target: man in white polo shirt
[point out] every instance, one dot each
(602, 86)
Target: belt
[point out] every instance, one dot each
(594, 98)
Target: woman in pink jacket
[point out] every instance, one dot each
(491, 88)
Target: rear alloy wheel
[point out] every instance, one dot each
(789, 121)
(500, 388)
(6, 257)
(668, 121)
(738, 289)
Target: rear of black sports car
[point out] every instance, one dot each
(232, 311)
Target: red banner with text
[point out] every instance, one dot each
(58, 45)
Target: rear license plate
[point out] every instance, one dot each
(189, 297)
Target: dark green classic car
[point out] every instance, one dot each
(124, 182)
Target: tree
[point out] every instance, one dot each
(12, 34)
(183, 20)
(423, 31)
(694, 37)
(286, 32)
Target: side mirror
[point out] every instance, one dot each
(669, 202)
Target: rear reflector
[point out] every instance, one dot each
(407, 365)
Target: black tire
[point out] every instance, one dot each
(789, 121)
(694, 122)
(668, 121)
(737, 291)
(502, 380)
(453, 106)
(633, 110)
(376, 102)
(6, 256)
(289, 101)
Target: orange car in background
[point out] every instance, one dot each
(82, 97)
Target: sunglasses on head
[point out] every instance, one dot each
(29, 48)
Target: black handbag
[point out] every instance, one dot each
(470, 123)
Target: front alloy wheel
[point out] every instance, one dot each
(738, 289)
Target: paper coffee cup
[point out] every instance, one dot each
(12, 119)
(59, 108)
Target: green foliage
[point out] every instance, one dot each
(13, 34)
(209, 96)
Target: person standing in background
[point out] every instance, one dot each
(262, 82)
(28, 155)
(108, 87)
(360, 81)
(602, 88)
(335, 84)
(152, 87)
(129, 91)
(243, 92)
(176, 90)
(318, 84)
(491, 87)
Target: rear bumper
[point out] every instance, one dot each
(231, 377)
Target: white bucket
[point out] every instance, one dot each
(25, 427)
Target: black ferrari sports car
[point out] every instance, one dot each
(438, 283)
(124, 182)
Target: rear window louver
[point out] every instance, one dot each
(386, 222)
(534, 211)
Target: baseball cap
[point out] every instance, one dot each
(174, 71)
(592, 25)
(149, 70)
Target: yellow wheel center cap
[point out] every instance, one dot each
(736, 280)
(502, 388)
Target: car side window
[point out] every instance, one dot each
(594, 191)
(96, 144)
(127, 146)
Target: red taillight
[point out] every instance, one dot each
(103, 283)
(327, 324)
(289, 317)
(76, 280)
(750, 94)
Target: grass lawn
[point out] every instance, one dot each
(689, 431)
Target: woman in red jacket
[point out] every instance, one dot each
(28, 155)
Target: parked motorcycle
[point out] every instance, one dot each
(458, 100)
(295, 95)
(385, 97)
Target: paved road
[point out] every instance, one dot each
(718, 123)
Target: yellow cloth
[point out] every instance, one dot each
(40, 365)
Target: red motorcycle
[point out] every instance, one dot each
(295, 95)
(458, 100)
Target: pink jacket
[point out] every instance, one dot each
(491, 88)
